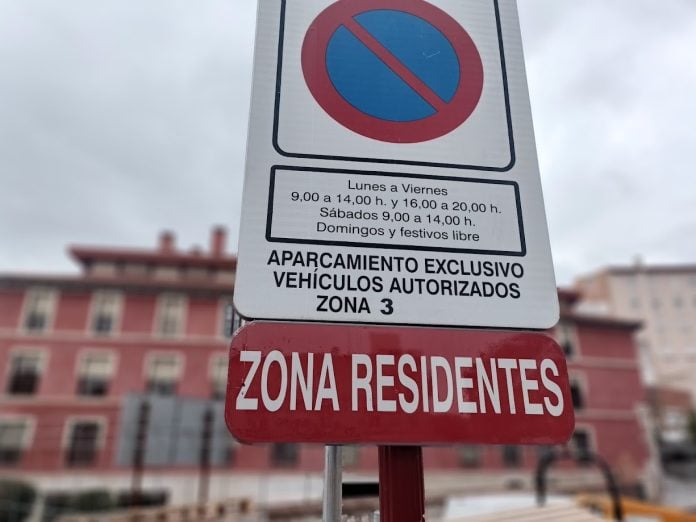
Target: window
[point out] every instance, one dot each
(13, 439)
(565, 338)
(635, 303)
(580, 444)
(576, 395)
(25, 373)
(38, 309)
(94, 373)
(284, 454)
(218, 376)
(350, 456)
(675, 419)
(678, 302)
(83, 443)
(163, 372)
(230, 318)
(512, 456)
(105, 312)
(171, 315)
(230, 449)
(470, 456)
(544, 451)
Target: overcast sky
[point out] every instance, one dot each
(121, 118)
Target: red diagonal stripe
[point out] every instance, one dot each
(395, 64)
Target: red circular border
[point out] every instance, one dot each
(443, 122)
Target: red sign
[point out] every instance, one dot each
(323, 383)
(400, 71)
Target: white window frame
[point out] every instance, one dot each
(161, 300)
(480, 454)
(591, 435)
(213, 366)
(41, 351)
(581, 380)
(223, 302)
(72, 420)
(177, 356)
(118, 312)
(86, 352)
(351, 456)
(50, 312)
(570, 333)
(28, 420)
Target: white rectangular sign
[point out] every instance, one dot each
(391, 169)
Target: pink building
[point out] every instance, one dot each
(78, 353)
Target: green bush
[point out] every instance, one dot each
(93, 500)
(16, 500)
(692, 425)
(88, 501)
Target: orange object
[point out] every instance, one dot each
(631, 507)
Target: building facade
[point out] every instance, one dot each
(81, 355)
(663, 298)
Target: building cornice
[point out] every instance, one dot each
(124, 283)
(13, 336)
(85, 255)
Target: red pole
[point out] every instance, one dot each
(401, 485)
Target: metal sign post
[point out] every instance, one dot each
(333, 480)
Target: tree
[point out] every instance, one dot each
(691, 426)
(16, 500)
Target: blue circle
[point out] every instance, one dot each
(369, 85)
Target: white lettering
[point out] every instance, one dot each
(508, 365)
(424, 383)
(327, 392)
(362, 383)
(384, 381)
(274, 357)
(557, 409)
(441, 405)
(243, 402)
(297, 377)
(463, 383)
(490, 386)
(530, 408)
(408, 382)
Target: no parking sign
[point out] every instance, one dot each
(391, 168)
(396, 70)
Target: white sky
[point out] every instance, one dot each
(121, 118)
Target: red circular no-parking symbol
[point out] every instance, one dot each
(398, 71)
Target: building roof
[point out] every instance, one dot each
(193, 259)
(670, 397)
(568, 295)
(164, 255)
(685, 268)
(163, 268)
(606, 321)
